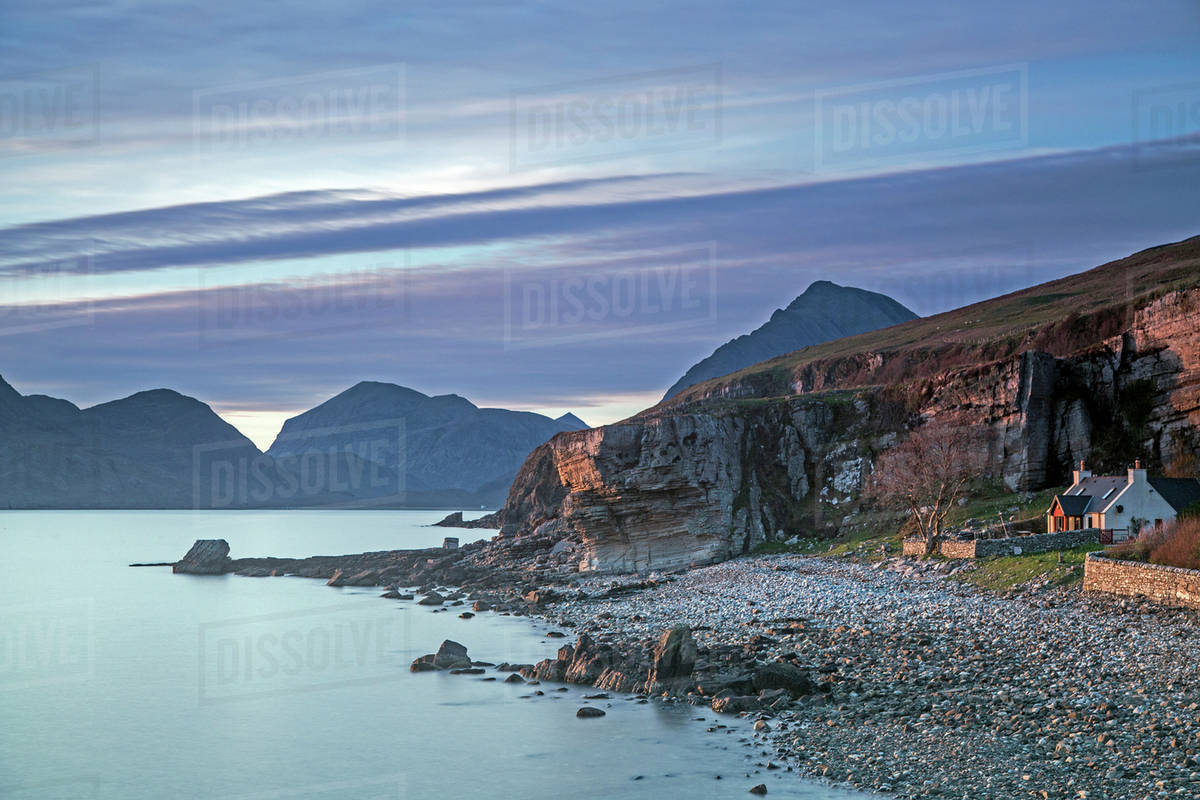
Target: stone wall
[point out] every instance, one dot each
(1011, 546)
(1172, 586)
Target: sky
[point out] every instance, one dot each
(543, 206)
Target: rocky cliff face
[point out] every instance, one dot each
(670, 490)
(705, 481)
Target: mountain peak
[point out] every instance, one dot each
(825, 311)
(569, 420)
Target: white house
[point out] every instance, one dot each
(1113, 503)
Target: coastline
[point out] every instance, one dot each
(940, 689)
(921, 686)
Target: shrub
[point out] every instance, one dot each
(1140, 548)
(1179, 544)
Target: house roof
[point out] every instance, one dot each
(1099, 486)
(1178, 492)
(1091, 494)
(1073, 505)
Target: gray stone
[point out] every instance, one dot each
(206, 557)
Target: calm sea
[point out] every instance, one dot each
(129, 683)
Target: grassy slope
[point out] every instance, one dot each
(1000, 326)
(1002, 573)
(1008, 572)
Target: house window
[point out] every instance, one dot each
(1158, 523)
(1120, 509)
(1089, 520)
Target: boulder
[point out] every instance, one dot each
(514, 678)
(589, 711)
(431, 599)
(774, 699)
(539, 596)
(207, 557)
(451, 654)
(674, 655)
(733, 704)
(783, 676)
(366, 577)
(730, 681)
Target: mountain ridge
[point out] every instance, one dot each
(159, 448)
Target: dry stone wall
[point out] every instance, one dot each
(1171, 586)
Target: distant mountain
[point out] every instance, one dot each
(823, 313)
(571, 421)
(441, 450)
(149, 450)
(374, 444)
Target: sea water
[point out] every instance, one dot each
(130, 683)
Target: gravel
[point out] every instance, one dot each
(938, 689)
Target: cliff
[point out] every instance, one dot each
(1104, 366)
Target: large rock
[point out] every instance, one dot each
(674, 655)
(734, 704)
(590, 663)
(451, 655)
(366, 577)
(207, 557)
(792, 679)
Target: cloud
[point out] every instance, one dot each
(575, 300)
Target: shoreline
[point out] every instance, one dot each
(921, 686)
(940, 689)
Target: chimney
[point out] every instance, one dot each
(1080, 473)
(1136, 473)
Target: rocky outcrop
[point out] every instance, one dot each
(451, 655)
(697, 482)
(674, 655)
(667, 491)
(668, 666)
(206, 557)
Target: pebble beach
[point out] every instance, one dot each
(935, 688)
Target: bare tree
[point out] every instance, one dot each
(927, 474)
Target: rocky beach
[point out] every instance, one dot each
(889, 676)
(926, 687)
